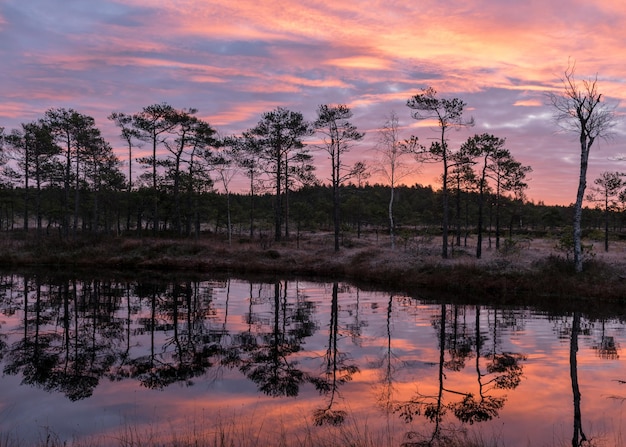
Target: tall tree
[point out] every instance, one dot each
(154, 122)
(607, 191)
(392, 164)
(89, 153)
(338, 135)
(579, 109)
(197, 179)
(507, 174)
(485, 147)
(247, 154)
(464, 180)
(73, 130)
(448, 113)
(101, 172)
(225, 167)
(184, 131)
(280, 133)
(34, 150)
(131, 137)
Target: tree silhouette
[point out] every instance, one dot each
(268, 363)
(607, 191)
(337, 370)
(279, 133)
(579, 109)
(449, 115)
(338, 135)
(578, 436)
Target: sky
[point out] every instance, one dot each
(235, 60)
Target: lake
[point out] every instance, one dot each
(158, 357)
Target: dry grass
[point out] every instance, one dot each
(235, 432)
(520, 269)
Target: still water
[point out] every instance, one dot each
(87, 358)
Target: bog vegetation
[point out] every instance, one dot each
(61, 179)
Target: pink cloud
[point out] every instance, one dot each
(236, 60)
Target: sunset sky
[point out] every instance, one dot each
(234, 60)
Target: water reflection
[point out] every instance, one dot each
(331, 348)
(579, 436)
(494, 370)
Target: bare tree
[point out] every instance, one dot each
(579, 109)
(448, 113)
(247, 152)
(392, 164)
(224, 164)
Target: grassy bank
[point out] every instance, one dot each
(532, 273)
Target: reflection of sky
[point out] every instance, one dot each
(539, 410)
(236, 60)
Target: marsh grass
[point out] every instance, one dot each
(241, 433)
(533, 269)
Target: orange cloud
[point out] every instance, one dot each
(528, 103)
(366, 62)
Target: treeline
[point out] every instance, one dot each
(417, 212)
(60, 176)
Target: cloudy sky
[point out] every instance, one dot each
(234, 60)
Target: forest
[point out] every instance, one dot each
(60, 177)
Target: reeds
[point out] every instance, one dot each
(239, 433)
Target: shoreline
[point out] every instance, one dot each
(533, 273)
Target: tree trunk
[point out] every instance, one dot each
(606, 223)
(444, 248)
(578, 207)
(278, 202)
(392, 234)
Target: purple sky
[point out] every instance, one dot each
(235, 60)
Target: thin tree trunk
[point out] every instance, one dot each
(578, 207)
(391, 223)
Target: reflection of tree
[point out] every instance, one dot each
(458, 341)
(502, 371)
(89, 338)
(174, 309)
(386, 364)
(268, 363)
(121, 371)
(432, 406)
(147, 369)
(337, 371)
(32, 355)
(190, 358)
(578, 436)
(73, 361)
(606, 348)
(354, 328)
